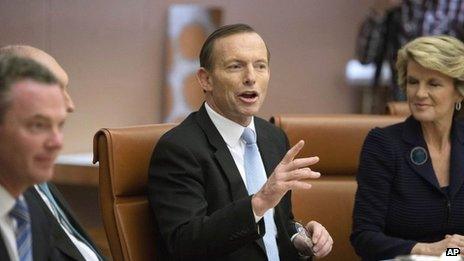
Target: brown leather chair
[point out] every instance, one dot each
(337, 140)
(124, 156)
(398, 108)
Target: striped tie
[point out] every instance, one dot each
(20, 213)
(255, 179)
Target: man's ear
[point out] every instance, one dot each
(204, 79)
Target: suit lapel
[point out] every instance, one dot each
(456, 158)
(412, 134)
(222, 154)
(226, 161)
(4, 255)
(267, 149)
(60, 238)
(71, 217)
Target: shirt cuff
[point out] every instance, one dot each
(293, 237)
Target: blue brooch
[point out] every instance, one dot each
(418, 155)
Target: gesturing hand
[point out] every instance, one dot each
(290, 174)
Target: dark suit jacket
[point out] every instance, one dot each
(64, 248)
(41, 236)
(202, 208)
(399, 203)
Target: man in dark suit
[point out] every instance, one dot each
(32, 114)
(70, 239)
(219, 183)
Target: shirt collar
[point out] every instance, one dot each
(6, 201)
(229, 130)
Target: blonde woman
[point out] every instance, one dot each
(410, 197)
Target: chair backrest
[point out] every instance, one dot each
(337, 140)
(398, 108)
(124, 155)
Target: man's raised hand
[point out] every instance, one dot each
(290, 174)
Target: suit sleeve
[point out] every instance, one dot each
(375, 178)
(178, 199)
(73, 218)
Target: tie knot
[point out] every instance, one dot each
(20, 210)
(249, 136)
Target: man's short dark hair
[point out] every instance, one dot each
(206, 53)
(14, 69)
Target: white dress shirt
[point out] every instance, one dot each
(85, 251)
(232, 132)
(8, 224)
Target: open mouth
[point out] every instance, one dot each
(248, 97)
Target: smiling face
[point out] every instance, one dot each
(431, 94)
(236, 85)
(31, 134)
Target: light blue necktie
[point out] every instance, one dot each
(255, 179)
(63, 219)
(23, 233)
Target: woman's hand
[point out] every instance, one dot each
(437, 248)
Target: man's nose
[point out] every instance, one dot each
(250, 76)
(55, 140)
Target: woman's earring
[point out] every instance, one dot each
(458, 105)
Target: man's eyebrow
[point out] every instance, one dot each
(44, 119)
(241, 61)
(262, 61)
(232, 60)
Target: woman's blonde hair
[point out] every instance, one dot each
(444, 54)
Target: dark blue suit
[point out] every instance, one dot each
(399, 203)
(201, 205)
